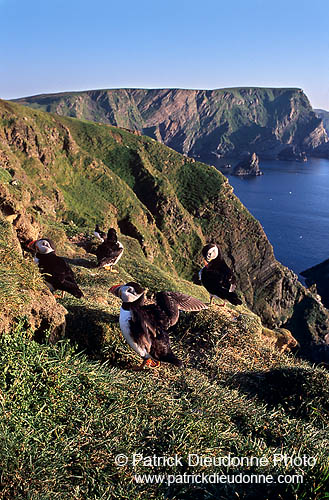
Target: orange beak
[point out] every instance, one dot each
(114, 288)
(31, 244)
(205, 262)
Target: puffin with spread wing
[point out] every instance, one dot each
(217, 278)
(110, 251)
(145, 326)
(59, 275)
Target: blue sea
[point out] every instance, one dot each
(291, 201)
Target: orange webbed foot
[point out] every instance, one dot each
(152, 364)
(147, 362)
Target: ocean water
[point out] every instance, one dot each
(291, 201)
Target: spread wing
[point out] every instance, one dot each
(172, 300)
(149, 318)
(143, 322)
(170, 303)
(155, 319)
(153, 338)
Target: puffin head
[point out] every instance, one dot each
(112, 235)
(42, 246)
(130, 292)
(99, 234)
(210, 252)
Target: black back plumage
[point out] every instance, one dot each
(159, 345)
(218, 279)
(58, 273)
(110, 250)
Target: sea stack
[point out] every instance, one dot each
(249, 166)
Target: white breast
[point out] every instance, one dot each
(125, 317)
(119, 256)
(98, 236)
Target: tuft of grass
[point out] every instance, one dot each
(19, 278)
(5, 176)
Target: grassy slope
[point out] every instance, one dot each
(89, 194)
(65, 416)
(132, 179)
(77, 172)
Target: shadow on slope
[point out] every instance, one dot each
(301, 392)
(86, 327)
(88, 264)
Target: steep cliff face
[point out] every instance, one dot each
(64, 175)
(322, 150)
(319, 275)
(324, 115)
(226, 122)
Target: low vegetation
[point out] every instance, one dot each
(67, 409)
(18, 279)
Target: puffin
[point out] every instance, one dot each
(217, 278)
(110, 251)
(100, 235)
(59, 275)
(145, 326)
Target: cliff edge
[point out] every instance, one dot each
(223, 122)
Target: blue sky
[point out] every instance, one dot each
(53, 46)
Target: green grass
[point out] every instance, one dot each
(18, 278)
(5, 176)
(65, 418)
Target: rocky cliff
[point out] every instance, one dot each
(62, 175)
(319, 275)
(224, 122)
(324, 115)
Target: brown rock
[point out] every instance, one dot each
(281, 339)
(248, 166)
(43, 314)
